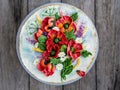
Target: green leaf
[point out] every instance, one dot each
(86, 53)
(42, 39)
(64, 77)
(67, 68)
(55, 61)
(42, 46)
(66, 71)
(63, 48)
(70, 34)
(67, 62)
(74, 16)
(57, 16)
(63, 74)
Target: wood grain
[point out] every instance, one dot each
(108, 63)
(12, 75)
(116, 83)
(89, 82)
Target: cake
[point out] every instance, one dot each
(57, 44)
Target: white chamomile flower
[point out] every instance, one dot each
(78, 40)
(36, 45)
(36, 62)
(59, 66)
(61, 54)
(56, 28)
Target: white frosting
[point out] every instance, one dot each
(78, 40)
(36, 61)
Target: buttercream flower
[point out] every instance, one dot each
(38, 34)
(46, 67)
(61, 54)
(73, 49)
(81, 73)
(52, 51)
(59, 66)
(47, 24)
(66, 23)
(56, 38)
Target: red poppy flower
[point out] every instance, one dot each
(81, 73)
(52, 51)
(47, 68)
(47, 24)
(74, 49)
(56, 37)
(65, 23)
(38, 34)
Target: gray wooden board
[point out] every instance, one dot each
(104, 75)
(12, 75)
(108, 26)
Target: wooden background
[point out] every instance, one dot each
(105, 74)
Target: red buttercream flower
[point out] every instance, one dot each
(65, 23)
(73, 49)
(52, 51)
(38, 34)
(81, 73)
(56, 37)
(47, 24)
(47, 68)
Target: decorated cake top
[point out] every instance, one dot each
(58, 45)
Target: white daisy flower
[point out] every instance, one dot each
(78, 40)
(61, 54)
(36, 45)
(59, 66)
(56, 28)
(36, 62)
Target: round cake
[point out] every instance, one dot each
(57, 44)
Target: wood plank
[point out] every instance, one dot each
(36, 3)
(108, 63)
(89, 82)
(34, 84)
(116, 83)
(12, 75)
